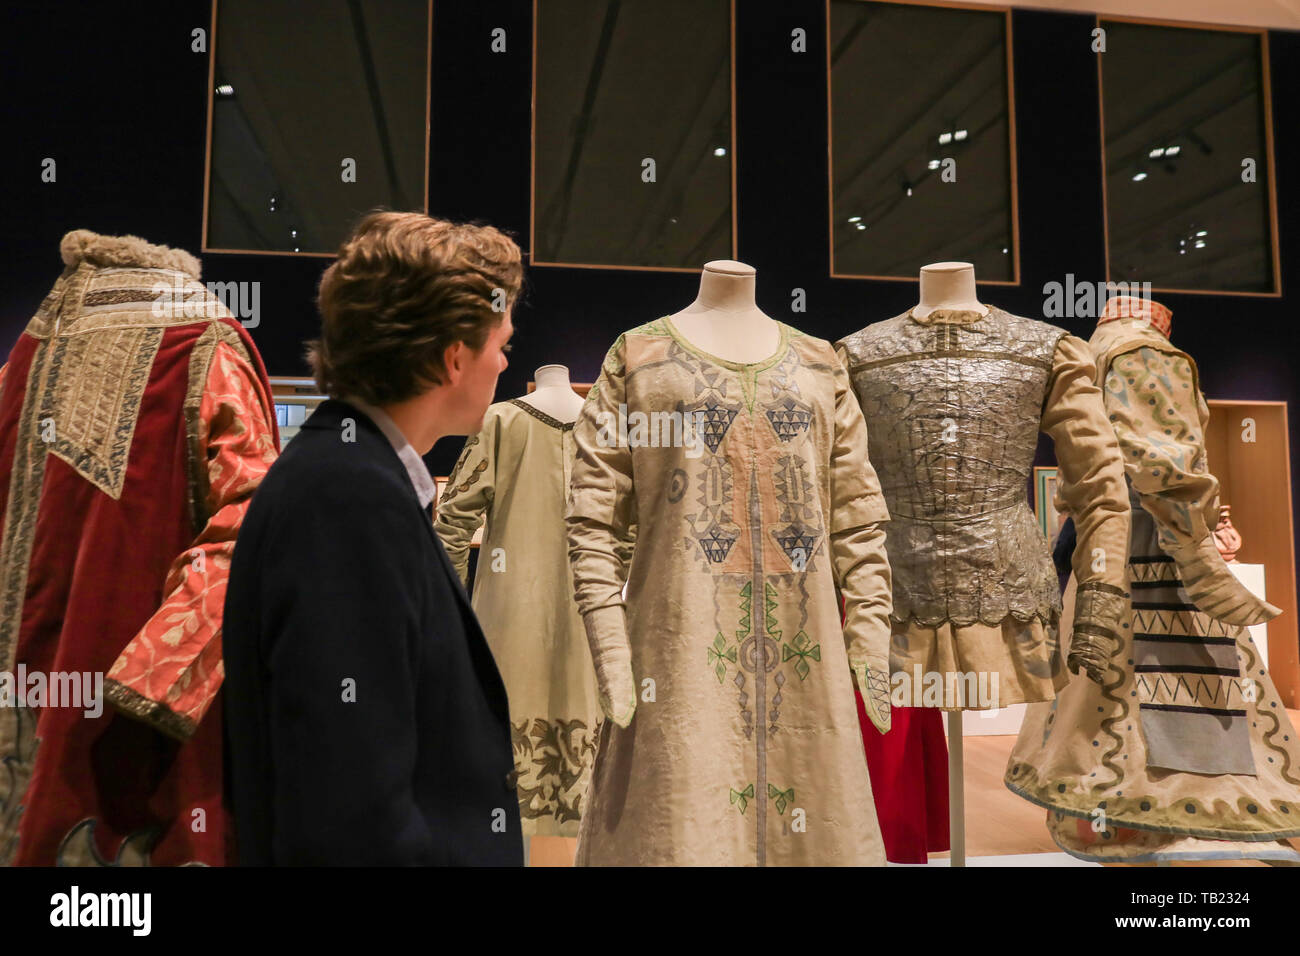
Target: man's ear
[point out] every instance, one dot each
(454, 357)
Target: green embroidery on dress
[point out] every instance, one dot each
(653, 327)
(721, 653)
(741, 798)
(746, 617)
(804, 649)
(783, 798)
(770, 605)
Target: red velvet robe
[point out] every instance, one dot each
(118, 420)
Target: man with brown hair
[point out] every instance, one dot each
(366, 721)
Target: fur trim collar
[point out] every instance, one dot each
(82, 245)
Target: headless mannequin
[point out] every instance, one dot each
(554, 395)
(949, 286)
(723, 320)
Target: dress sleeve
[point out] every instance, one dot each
(858, 553)
(467, 499)
(170, 672)
(1092, 486)
(1159, 416)
(600, 516)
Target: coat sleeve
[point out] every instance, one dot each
(467, 499)
(857, 537)
(1159, 416)
(342, 622)
(170, 672)
(1092, 485)
(600, 517)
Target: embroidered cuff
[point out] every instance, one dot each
(874, 685)
(1098, 609)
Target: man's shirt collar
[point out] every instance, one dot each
(426, 489)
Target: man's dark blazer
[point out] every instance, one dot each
(366, 721)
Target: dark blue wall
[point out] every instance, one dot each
(120, 102)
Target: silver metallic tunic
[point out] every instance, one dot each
(953, 416)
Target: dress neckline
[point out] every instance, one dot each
(952, 316)
(541, 416)
(782, 342)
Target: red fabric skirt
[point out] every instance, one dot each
(909, 780)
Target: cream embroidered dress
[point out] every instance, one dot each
(734, 737)
(514, 474)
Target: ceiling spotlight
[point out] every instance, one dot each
(1202, 233)
(1200, 243)
(1172, 151)
(934, 164)
(1004, 250)
(945, 139)
(855, 218)
(1139, 176)
(861, 226)
(959, 135)
(720, 151)
(909, 190)
(1157, 152)
(225, 89)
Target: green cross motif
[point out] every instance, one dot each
(742, 798)
(782, 797)
(803, 648)
(721, 653)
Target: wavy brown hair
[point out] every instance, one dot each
(403, 289)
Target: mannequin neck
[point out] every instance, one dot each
(726, 286)
(552, 377)
(948, 287)
(724, 320)
(554, 394)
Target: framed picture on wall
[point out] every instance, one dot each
(1049, 521)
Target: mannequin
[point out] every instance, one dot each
(745, 542)
(513, 477)
(949, 286)
(554, 395)
(724, 319)
(1209, 758)
(955, 393)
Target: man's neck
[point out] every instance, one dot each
(418, 419)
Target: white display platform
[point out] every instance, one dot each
(983, 723)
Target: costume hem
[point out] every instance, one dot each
(1235, 836)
